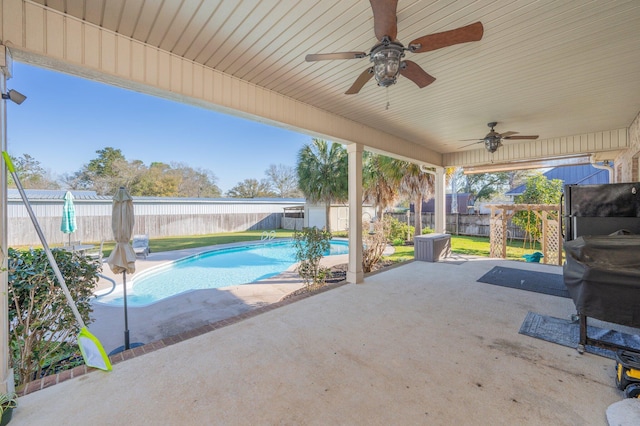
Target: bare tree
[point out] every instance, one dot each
(198, 183)
(283, 180)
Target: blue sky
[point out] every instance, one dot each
(66, 119)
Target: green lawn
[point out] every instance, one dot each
(193, 241)
(402, 254)
(477, 246)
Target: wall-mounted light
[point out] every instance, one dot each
(14, 96)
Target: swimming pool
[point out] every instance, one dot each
(212, 269)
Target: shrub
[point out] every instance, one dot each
(396, 229)
(42, 326)
(427, 230)
(310, 245)
(539, 190)
(397, 242)
(373, 244)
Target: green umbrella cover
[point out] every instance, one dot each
(68, 225)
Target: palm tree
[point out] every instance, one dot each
(323, 174)
(380, 188)
(414, 184)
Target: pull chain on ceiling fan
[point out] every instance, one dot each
(387, 55)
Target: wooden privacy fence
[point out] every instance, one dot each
(551, 240)
(157, 217)
(462, 224)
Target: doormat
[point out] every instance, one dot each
(539, 282)
(567, 333)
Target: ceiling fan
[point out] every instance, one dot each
(388, 53)
(493, 140)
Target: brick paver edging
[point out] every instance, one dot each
(53, 379)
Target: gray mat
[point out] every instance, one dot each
(567, 333)
(539, 282)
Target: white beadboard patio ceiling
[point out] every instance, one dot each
(548, 67)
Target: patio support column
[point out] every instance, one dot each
(355, 274)
(440, 214)
(6, 373)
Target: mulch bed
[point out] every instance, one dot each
(338, 276)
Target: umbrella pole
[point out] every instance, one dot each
(126, 320)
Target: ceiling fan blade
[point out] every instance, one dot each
(481, 140)
(339, 55)
(521, 137)
(385, 21)
(472, 32)
(466, 140)
(360, 81)
(416, 74)
(507, 134)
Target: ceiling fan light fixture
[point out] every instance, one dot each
(386, 58)
(492, 142)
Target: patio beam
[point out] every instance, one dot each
(440, 213)
(561, 149)
(355, 273)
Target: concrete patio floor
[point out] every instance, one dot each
(423, 343)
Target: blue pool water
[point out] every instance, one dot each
(213, 269)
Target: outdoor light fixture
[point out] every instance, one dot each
(492, 141)
(386, 58)
(15, 96)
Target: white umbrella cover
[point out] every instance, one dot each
(122, 258)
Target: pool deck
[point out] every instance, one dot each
(189, 310)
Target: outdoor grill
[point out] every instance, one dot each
(602, 247)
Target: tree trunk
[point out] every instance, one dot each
(327, 217)
(417, 220)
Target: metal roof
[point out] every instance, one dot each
(54, 195)
(58, 195)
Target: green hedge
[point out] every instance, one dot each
(42, 327)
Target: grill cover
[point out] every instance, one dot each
(602, 274)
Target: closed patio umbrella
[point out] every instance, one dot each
(68, 225)
(123, 258)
